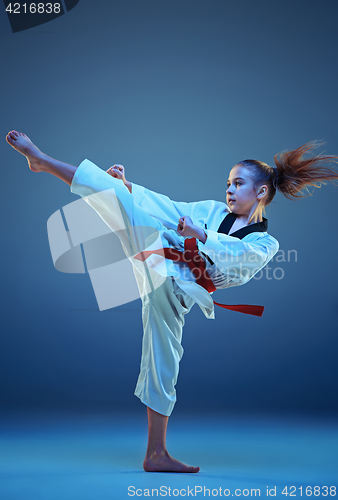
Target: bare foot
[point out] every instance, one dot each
(163, 462)
(24, 145)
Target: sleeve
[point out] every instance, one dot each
(89, 179)
(161, 206)
(237, 259)
(168, 211)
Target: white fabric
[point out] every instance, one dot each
(163, 312)
(147, 220)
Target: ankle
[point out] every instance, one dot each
(156, 453)
(44, 162)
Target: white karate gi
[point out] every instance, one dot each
(145, 220)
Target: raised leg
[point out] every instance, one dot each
(38, 161)
(131, 224)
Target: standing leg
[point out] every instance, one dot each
(163, 314)
(157, 457)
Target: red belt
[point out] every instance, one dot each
(196, 263)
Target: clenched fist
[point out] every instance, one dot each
(187, 228)
(117, 171)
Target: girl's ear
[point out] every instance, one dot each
(262, 191)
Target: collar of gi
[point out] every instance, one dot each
(230, 218)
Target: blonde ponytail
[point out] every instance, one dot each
(294, 173)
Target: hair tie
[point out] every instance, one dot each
(276, 177)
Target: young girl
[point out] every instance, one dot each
(181, 252)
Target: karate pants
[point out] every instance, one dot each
(165, 304)
(163, 313)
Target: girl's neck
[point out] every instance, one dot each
(251, 218)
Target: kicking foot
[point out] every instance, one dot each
(163, 462)
(24, 145)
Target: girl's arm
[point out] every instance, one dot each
(161, 206)
(155, 204)
(239, 260)
(169, 211)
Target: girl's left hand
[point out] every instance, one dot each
(186, 227)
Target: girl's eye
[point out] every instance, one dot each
(237, 183)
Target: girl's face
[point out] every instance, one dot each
(241, 195)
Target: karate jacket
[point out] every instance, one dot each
(230, 260)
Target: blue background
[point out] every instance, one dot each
(178, 92)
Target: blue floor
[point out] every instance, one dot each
(98, 457)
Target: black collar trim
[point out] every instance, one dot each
(230, 218)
